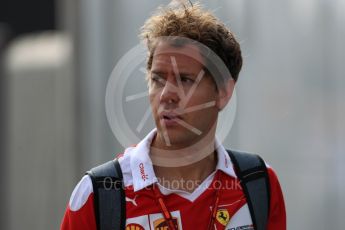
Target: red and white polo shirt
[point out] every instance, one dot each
(189, 210)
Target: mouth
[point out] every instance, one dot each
(170, 118)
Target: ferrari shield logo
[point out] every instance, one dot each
(223, 216)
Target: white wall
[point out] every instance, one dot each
(41, 162)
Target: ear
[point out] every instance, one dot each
(225, 93)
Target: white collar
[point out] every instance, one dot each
(224, 162)
(142, 169)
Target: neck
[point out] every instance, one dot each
(176, 167)
(187, 177)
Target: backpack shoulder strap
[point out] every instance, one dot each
(109, 196)
(252, 173)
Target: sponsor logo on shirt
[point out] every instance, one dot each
(157, 221)
(134, 227)
(223, 216)
(226, 163)
(138, 223)
(144, 176)
(153, 221)
(132, 200)
(245, 227)
(161, 224)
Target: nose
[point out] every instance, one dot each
(170, 93)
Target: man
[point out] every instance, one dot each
(180, 169)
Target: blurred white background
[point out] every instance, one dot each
(290, 100)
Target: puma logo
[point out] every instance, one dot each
(132, 200)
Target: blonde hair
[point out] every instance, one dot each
(193, 22)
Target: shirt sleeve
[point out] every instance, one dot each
(79, 213)
(277, 215)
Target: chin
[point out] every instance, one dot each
(179, 137)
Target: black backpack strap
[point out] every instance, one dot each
(252, 173)
(109, 196)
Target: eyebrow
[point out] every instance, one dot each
(183, 73)
(157, 71)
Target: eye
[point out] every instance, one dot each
(157, 79)
(187, 79)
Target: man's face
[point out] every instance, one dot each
(183, 98)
